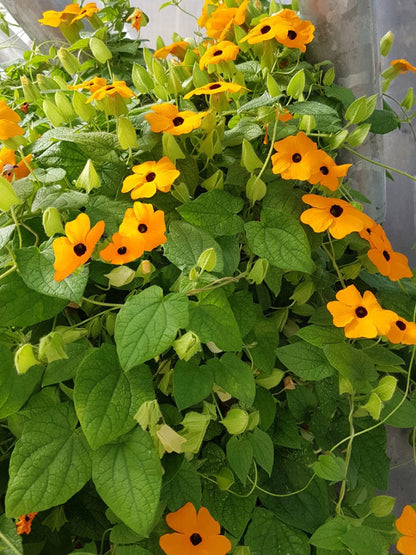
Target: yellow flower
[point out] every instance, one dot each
(8, 122)
(167, 119)
(123, 249)
(406, 525)
(136, 19)
(116, 87)
(215, 88)
(92, 84)
(325, 171)
(223, 18)
(403, 66)
(177, 49)
(203, 18)
(8, 167)
(291, 159)
(142, 222)
(221, 52)
(75, 249)
(149, 177)
(72, 12)
(402, 331)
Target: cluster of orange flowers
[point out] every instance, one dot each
(9, 122)
(69, 15)
(406, 525)
(99, 88)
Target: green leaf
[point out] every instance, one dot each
(280, 239)
(312, 108)
(240, 456)
(216, 211)
(15, 388)
(327, 535)
(245, 129)
(365, 541)
(213, 320)
(21, 306)
(96, 145)
(352, 364)
(342, 94)
(105, 397)
(404, 416)
(235, 376)
(357, 110)
(285, 431)
(321, 335)
(267, 534)
(100, 207)
(305, 360)
(10, 541)
(58, 198)
(183, 486)
(147, 324)
(185, 244)
(65, 369)
(369, 459)
(49, 464)
(5, 234)
(383, 121)
(36, 268)
(263, 449)
(65, 155)
(128, 477)
(330, 468)
(231, 512)
(191, 383)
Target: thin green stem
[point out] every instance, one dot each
(9, 271)
(385, 166)
(16, 222)
(99, 303)
(331, 257)
(308, 483)
(33, 233)
(347, 456)
(269, 154)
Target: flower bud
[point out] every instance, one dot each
(24, 358)
(122, 275)
(258, 271)
(46, 83)
(148, 414)
(126, 133)
(64, 106)
(52, 113)
(409, 100)
(171, 149)
(187, 345)
(99, 50)
(359, 135)
(85, 111)
(386, 388)
(296, 85)
(8, 195)
(249, 158)
(382, 505)
(69, 334)
(69, 62)
(255, 189)
(51, 347)
(52, 221)
(88, 179)
(110, 322)
(71, 32)
(253, 420)
(236, 421)
(207, 260)
(386, 42)
(30, 92)
(142, 79)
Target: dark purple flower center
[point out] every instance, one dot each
(401, 325)
(214, 86)
(142, 228)
(195, 539)
(178, 121)
(324, 170)
(386, 255)
(265, 29)
(292, 34)
(150, 176)
(296, 157)
(361, 312)
(217, 53)
(122, 250)
(80, 249)
(336, 210)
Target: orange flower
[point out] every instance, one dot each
(402, 331)
(403, 66)
(136, 19)
(221, 52)
(123, 249)
(24, 523)
(87, 11)
(149, 177)
(291, 161)
(203, 18)
(177, 48)
(406, 525)
(8, 122)
(168, 119)
(92, 84)
(75, 249)
(195, 533)
(215, 88)
(326, 172)
(116, 87)
(68, 15)
(8, 167)
(394, 265)
(142, 221)
(285, 27)
(333, 214)
(283, 115)
(223, 18)
(360, 316)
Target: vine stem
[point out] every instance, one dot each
(389, 168)
(99, 303)
(16, 222)
(9, 271)
(338, 508)
(334, 263)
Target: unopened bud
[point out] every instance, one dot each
(386, 388)
(51, 347)
(46, 83)
(69, 334)
(88, 179)
(148, 414)
(52, 221)
(52, 113)
(253, 420)
(64, 106)
(99, 50)
(236, 421)
(207, 260)
(187, 345)
(145, 269)
(69, 62)
(85, 111)
(258, 271)
(30, 92)
(24, 358)
(386, 42)
(122, 275)
(126, 133)
(255, 189)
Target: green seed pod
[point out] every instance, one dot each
(46, 83)
(8, 195)
(24, 358)
(69, 62)
(386, 42)
(30, 92)
(122, 275)
(52, 113)
(99, 50)
(85, 111)
(52, 221)
(88, 178)
(236, 421)
(126, 133)
(64, 106)
(187, 345)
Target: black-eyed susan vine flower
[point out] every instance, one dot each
(325, 171)
(208, 5)
(333, 214)
(24, 523)
(223, 18)
(290, 159)
(91, 84)
(9, 120)
(402, 66)
(70, 14)
(406, 525)
(73, 250)
(402, 331)
(149, 177)
(123, 249)
(143, 222)
(360, 316)
(166, 118)
(8, 167)
(195, 532)
(135, 19)
(215, 88)
(177, 49)
(110, 90)
(223, 51)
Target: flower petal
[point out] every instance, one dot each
(183, 520)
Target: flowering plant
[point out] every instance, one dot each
(201, 329)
